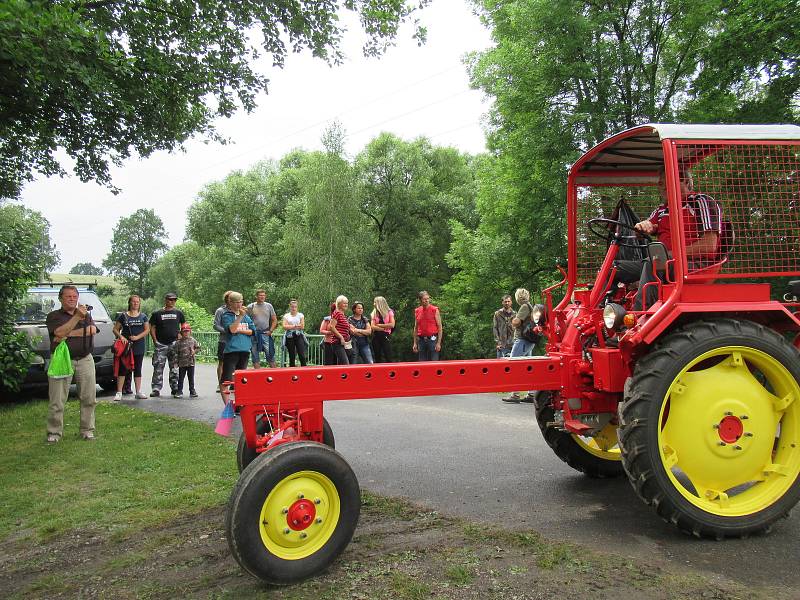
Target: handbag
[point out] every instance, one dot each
(60, 362)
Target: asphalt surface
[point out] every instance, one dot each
(476, 457)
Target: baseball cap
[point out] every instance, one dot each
(186, 327)
(171, 296)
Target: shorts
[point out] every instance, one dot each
(220, 351)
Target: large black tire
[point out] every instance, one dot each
(574, 451)
(298, 478)
(245, 455)
(708, 428)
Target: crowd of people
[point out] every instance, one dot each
(349, 336)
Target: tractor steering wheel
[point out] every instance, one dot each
(607, 235)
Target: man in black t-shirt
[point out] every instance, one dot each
(165, 327)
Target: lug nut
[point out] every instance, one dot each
(285, 510)
(748, 434)
(737, 447)
(728, 413)
(287, 531)
(317, 501)
(722, 444)
(318, 521)
(303, 535)
(300, 496)
(715, 425)
(744, 417)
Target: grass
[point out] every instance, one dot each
(143, 469)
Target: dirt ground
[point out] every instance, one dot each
(397, 552)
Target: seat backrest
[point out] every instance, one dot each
(727, 239)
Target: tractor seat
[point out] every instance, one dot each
(727, 239)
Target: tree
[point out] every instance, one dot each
(27, 254)
(564, 74)
(136, 245)
(102, 79)
(86, 268)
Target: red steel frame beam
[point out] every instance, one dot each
(257, 391)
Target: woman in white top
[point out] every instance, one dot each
(295, 341)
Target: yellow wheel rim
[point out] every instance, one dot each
(604, 445)
(729, 426)
(299, 515)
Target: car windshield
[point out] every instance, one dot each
(36, 305)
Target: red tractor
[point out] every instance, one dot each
(688, 384)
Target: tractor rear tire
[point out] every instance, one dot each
(579, 453)
(709, 428)
(292, 512)
(245, 455)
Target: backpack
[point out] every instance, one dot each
(528, 334)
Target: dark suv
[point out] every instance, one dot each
(41, 300)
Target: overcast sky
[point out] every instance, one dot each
(411, 91)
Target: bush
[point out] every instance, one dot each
(196, 316)
(26, 251)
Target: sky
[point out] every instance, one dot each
(410, 91)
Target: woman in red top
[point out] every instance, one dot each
(340, 328)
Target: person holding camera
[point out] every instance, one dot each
(73, 323)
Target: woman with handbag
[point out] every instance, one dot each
(382, 326)
(132, 327)
(294, 338)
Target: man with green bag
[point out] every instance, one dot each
(71, 323)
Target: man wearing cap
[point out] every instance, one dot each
(165, 326)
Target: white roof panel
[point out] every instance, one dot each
(639, 148)
(725, 132)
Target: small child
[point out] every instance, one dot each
(186, 347)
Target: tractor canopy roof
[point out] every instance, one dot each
(637, 154)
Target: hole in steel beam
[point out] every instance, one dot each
(392, 374)
(319, 377)
(368, 375)
(485, 370)
(438, 371)
(415, 374)
(462, 371)
(269, 379)
(343, 375)
(507, 369)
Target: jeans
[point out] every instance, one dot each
(361, 354)
(382, 347)
(188, 373)
(296, 345)
(265, 343)
(427, 349)
(522, 347)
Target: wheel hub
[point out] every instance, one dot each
(301, 515)
(730, 429)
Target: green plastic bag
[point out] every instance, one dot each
(60, 362)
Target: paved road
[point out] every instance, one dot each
(476, 457)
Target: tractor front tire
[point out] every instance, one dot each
(582, 454)
(710, 428)
(292, 512)
(245, 455)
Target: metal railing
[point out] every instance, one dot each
(208, 348)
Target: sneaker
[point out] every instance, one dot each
(512, 399)
(177, 395)
(193, 394)
(118, 396)
(155, 394)
(218, 389)
(88, 436)
(529, 398)
(140, 396)
(53, 438)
